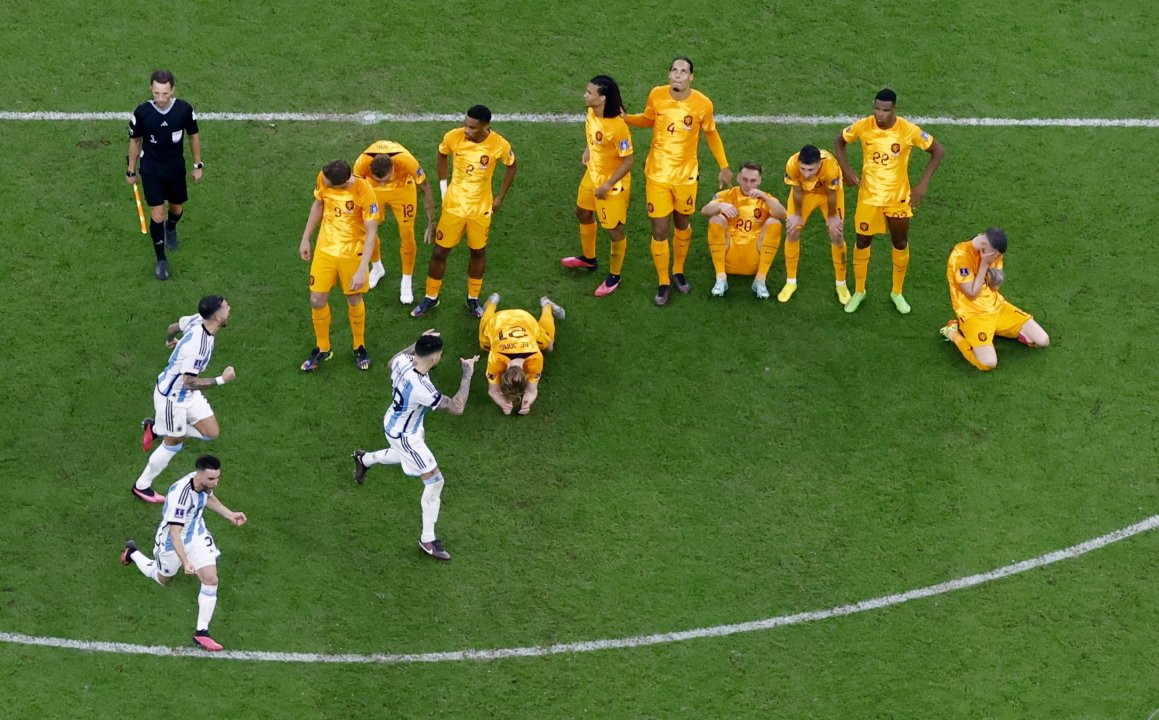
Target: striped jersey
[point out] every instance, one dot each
(189, 357)
(186, 507)
(413, 394)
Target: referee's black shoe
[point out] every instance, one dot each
(171, 239)
(162, 270)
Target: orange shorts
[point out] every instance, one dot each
(451, 227)
(871, 219)
(666, 198)
(1007, 322)
(612, 211)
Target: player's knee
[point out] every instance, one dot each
(900, 243)
(479, 254)
(586, 217)
(317, 301)
(718, 220)
(986, 364)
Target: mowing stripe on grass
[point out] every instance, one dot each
(608, 644)
(369, 117)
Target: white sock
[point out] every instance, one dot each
(840, 283)
(206, 602)
(386, 456)
(406, 280)
(158, 461)
(192, 432)
(378, 267)
(791, 281)
(430, 503)
(144, 563)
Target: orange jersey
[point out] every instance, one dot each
(751, 217)
(514, 332)
(675, 135)
(345, 211)
(885, 159)
(963, 268)
(469, 193)
(609, 142)
(406, 169)
(828, 176)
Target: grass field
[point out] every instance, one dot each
(712, 462)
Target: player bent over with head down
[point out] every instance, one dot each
(607, 181)
(395, 175)
(468, 206)
(744, 231)
(346, 214)
(814, 180)
(975, 273)
(183, 541)
(515, 342)
(413, 394)
(179, 409)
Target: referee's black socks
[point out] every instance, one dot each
(174, 218)
(157, 233)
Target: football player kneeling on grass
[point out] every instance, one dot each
(975, 272)
(515, 342)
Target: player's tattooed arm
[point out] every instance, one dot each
(171, 334)
(193, 382)
(458, 403)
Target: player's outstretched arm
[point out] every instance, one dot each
(237, 518)
(193, 382)
(458, 403)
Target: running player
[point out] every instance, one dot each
(395, 178)
(975, 273)
(677, 114)
(607, 181)
(348, 214)
(515, 342)
(467, 203)
(183, 542)
(179, 409)
(884, 198)
(814, 180)
(413, 394)
(744, 231)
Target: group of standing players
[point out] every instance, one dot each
(744, 233)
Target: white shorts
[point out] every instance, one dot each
(417, 459)
(201, 550)
(170, 417)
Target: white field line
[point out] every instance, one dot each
(369, 117)
(608, 644)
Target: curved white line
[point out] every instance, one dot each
(608, 644)
(370, 117)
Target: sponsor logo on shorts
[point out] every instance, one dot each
(982, 337)
(651, 207)
(863, 227)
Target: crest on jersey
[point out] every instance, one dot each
(895, 148)
(485, 160)
(176, 135)
(599, 136)
(350, 205)
(624, 145)
(687, 121)
(757, 213)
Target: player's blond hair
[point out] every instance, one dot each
(513, 383)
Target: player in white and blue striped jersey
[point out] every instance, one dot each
(412, 396)
(180, 410)
(183, 541)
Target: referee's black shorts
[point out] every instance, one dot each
(164, 184)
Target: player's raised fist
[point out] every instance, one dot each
(229, 374)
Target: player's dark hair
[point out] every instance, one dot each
(207, 462)
(163, 77)
(996, 236)
(381, 166)
(337, 171)
(685, 58)
(482, 113)
(886, 95)
(428, 345)
(209, 305)
(753, 166)
(610, 91)
(809, 155)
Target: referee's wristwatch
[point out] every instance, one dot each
(198, 165)
(130, 173)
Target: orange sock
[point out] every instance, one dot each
(838, 262)
(769, 246)
(968, 352)
(357, 317)
(792, 258)
(588, 240)
(474, 286)
(407, 248)
(660, 255)
(860, 267)
(433, 287)
(321, 318)
(619, 250)
(717, 245)
(900, 265)
(681, 240)
(376, 254)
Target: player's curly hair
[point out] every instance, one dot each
(382, 166)
(610, 91)
(513, 383)
(336, 171)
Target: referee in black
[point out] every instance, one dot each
(157, 132)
